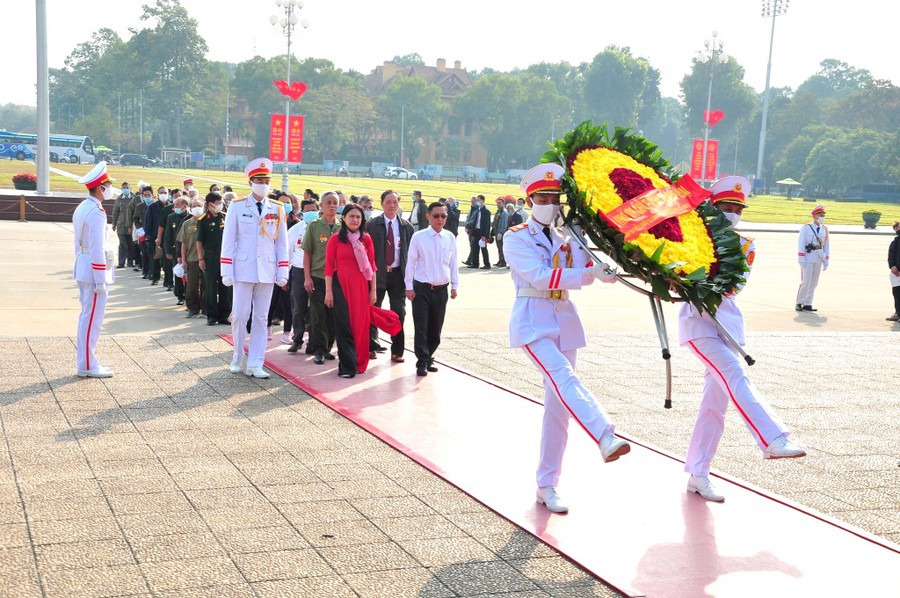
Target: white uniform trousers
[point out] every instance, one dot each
(725, 381)
(564, 396)
(257, 296)
(809, 280)
(93, 308)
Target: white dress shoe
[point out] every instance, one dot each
(548, 497)
(100, 372)
(700, 484)
(236, 367)
(256, 373)
(782, 448)
(612, 448)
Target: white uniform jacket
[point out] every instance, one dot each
(693, 324)
(295, 242)
(93, 263)
(536, 263)
(818, 244)
(254, 245)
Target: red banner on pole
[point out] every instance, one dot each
(295, 140)
(276, 138)
(712, 159)
(645, 211)
(696, 159)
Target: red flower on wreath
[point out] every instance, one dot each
(629, 185)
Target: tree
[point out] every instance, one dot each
(792, 163)
(875, 106)
(620, 89)
(334, 115)
(423, 112)
(408, 60)
(846, 161)
(729, 94)
(836, 80)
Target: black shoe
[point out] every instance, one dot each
(136, 269)
(145, 277)
(420, 371)
(154, 283)
(226, 322)
(319, 358)
(431, 367)
(180, 302)
(809, 308)
(191, 314)
(120, 266)
(485, 268)
(471, 266)
(295, 346)
(500, 264)
(211, 322)
(309, 350)
(170, 287)
(330, 356)
(798, 307)
(380, 349)
(467, 263)
(346, 375)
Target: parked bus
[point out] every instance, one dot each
(74, 149)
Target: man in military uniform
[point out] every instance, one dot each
(254, 258)
(813, 252)
(93, 269)
(725, 379)
(321, 321)
(545, 267)
(209, 248)
(121, 225)
(190, 259)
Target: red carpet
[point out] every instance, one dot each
(631, 522)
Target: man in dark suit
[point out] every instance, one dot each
(390, 237)
(452, 216)
(418, 216)
(478, 226)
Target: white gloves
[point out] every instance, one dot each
(602, 272)
(99, 287)
(228, 281)
(824, 266)
(281, 281)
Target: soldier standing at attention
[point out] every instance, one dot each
(209, 248)
(544, 323)
(93, 269)
(813, 251)
(254, 259)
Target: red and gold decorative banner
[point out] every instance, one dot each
(712, 159)
(276, 138)
(696, 158)
(649, 209)
(295, 140)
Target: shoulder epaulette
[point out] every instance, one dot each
(746, 238)
(517, 228)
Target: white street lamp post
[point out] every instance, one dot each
(42, 158)
(770, 8)
(712, 54)
(290, 20)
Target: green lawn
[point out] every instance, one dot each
(762, 208)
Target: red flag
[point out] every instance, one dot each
(295, 139)
(696, 170)
(276, 138)
(712, 118)
(294, 91)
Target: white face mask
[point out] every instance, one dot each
(197, 211)
(545, 214)
(218, 207)
(108, 193)
(260, 189)
(732, 218)
(820, 219)
(163, 197)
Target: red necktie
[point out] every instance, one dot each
(389, 246)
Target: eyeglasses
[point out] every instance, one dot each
(439, 216)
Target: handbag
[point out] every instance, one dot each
(157, 255)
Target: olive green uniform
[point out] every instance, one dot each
(218, 296)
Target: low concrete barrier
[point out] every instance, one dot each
(37, 207)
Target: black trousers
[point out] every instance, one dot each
(896, 291)
(134, 255)
(147, 249)
(125, 249)
(343, 334)
(280, 307)
(428, 309)
(473, 252)
(396, 293)
(299, 304)
(321, 322)
(218, 296)
(499, 241)
(167, 266)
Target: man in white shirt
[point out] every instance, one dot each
(309, 212)
(813, 252)
(431, 267)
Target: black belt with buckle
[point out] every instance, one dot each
(389, 269)
(432, 287)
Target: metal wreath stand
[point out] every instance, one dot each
(659, 318)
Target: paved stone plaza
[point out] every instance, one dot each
(176, 478)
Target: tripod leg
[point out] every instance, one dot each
(659, 320)
(737, 346)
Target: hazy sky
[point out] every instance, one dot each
(501, 34)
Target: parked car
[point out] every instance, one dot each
(136, 160)
(395, 172)
(54, 157)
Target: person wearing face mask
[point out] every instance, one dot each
(478, 225)
(140, 222)
(121, 225)
(498, 229)
(254, 259)
(167, 201)
(137, 200)
(280, 305)
(309, 212)
(209, 250)
(813, 251)
(725, 379)
(894, 265)
(452, 216)
(188, 184)
(515, 217)
(170, 245)
(190, 259)
(152, 225)
(546, 266)
(93, 269)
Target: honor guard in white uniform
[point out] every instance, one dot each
(725, 380)
(254, 259)
(93, 269)
(546, 266)
(813, 251)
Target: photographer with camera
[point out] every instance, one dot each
(812, 253)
